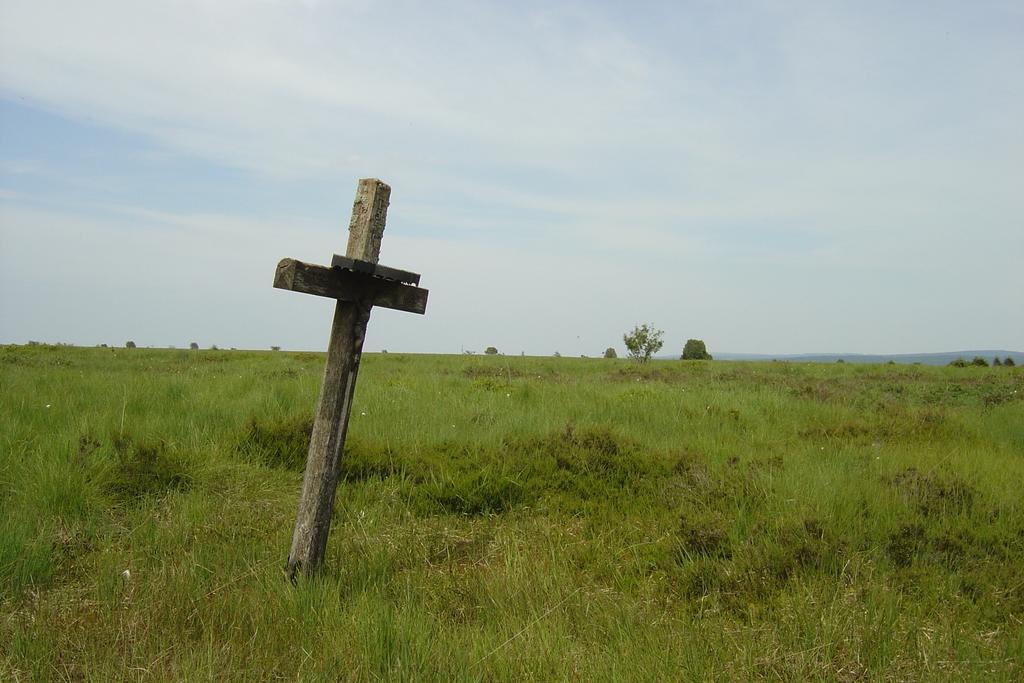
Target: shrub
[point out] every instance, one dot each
(643, 342)
(979, 361)
(958, 363)
(695, 350)
(129, 345)
(275, 348)
(280, 443)
(491, 351)
(194, 346)
(610, 353)
(145, 469)
(1009, 362)
(996, 362)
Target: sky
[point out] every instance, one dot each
(770, 177)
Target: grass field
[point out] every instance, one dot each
(508, 518)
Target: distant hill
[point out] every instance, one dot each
(943, 358)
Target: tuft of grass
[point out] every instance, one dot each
(282, 442)
(144, 469)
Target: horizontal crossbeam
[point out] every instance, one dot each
(346, 285)
(375, 269)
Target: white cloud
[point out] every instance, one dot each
(797, 157)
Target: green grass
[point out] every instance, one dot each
(511, 518)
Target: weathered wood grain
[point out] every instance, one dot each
(357, 293)
(346, 285)
(327, 442)
(369, 214)
(375, 269)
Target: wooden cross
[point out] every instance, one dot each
(359, 284)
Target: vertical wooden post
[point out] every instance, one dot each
(313, 523)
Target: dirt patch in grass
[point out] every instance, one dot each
(569, 469)
(281, 443)
(144, 469)
(904, 545)
(932, 494)
(820, 392)
(488, 491)
(752, 570)
(284, 444)
(702, 535)
(848, 430)
(493, 372)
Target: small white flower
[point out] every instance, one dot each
(363, 413)
(47, 405)
(508, 395)
(126, 575)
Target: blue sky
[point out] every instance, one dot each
(769, 177)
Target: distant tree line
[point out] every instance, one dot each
(981, 362)
(645, 340)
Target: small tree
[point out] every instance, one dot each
(275, 348)
(491, 351)
(643, 342)
(980, 362)
(958, 363)
(557, 354)
(996, 362)
(129, 345)
(1009, 362)
(695, 350)
(194, 346)
(610, 353)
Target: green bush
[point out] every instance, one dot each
(610, 353)
(643, 342)
(695, 350)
